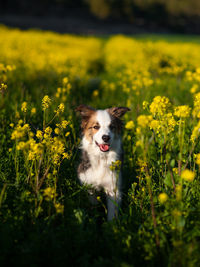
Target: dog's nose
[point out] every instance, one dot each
(106, 138)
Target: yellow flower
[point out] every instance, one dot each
(195, 132)
(57, 130)
(60, 109)
(46, 101)
(139, 143)
(57, 150)
(196, 110)
(66, 155)
(144, 120)
(64, 124)
(182, 111)
(145, 104)
(129, 137)
(67, 134)
(187, 175)
(198, 159)
(3, 87)
(33, 111)
(159, 105)
(20, 131)
(24, 107)
(59, 208)
(163, 197)
(175, 170)
(21, 146)
(155, 125)
(116, 165)
(49, 193)
(39, 134)
(11, 125)
(57, 95)
(48, 130)
(194, 88)
(95, 93)
(65, 80)
(130, 125)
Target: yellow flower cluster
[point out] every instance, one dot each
(182, 111)
(59, 208)
(3, 87)
(144, 120)
(63, 92)
(198, 159)
(46, 101)
(129, 125)
(193, 76)
(195, 132)
(57, 150)
(187, 175)
(60, 109)
(49, 193)
(116, 165)
(71, 55)
(32, 149)
(24, 107)
(196, 110)
(20, 131)
(160, 105)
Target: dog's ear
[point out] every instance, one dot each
(118, 111)
(85, 111)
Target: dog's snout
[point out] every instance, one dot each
(106, 138)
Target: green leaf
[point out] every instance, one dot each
(167, 180)
(172, 163)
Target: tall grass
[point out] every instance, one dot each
(46, 216)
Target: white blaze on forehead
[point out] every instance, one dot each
(103, 118)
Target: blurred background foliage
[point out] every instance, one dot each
(105, 8)
(171, 13)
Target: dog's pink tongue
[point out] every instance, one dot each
(104, 148)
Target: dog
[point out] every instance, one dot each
(102, 146)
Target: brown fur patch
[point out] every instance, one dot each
(89, 129)
(86, 113)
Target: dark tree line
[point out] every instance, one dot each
(105, 8)
(170, 13)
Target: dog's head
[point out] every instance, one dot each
(101, 127)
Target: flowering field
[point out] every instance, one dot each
(46, 217)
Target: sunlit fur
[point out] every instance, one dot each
(95, 166)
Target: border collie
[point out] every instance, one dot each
(101, 146)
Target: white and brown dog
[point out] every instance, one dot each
(101, 146)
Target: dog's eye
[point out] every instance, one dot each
(96, 127)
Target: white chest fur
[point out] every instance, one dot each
(99, 175)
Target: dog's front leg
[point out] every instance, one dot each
(112, 206)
